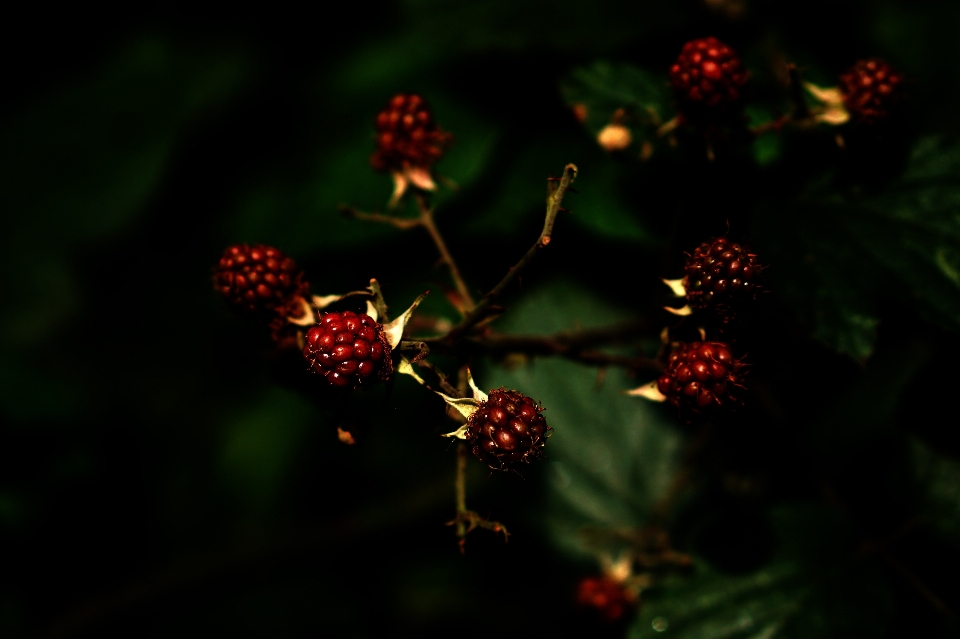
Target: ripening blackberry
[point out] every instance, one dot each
(871, 90)
(507, 430)
(609, 598)
(707, 79)
(259, 281)
(348, 349)
(719, 276)
(701, 377)
(407, 136)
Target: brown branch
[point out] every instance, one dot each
(554, 200)
(426, 220)
(399, 222)
(467, 520)
(568, 345)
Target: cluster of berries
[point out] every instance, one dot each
(708, 79)
(700, 377)
(350, 349)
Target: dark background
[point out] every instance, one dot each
(163, 473)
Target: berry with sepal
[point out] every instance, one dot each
(719, 276)
(407, 135)
(349, 349)
(701, 377)
(259, 281)
(507, 429)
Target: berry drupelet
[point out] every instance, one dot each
(701, 377)
(719, 275)
(259, 281)
(348, 349)
(707, 79)
(507, 430)
(407, 136)
(871, 90)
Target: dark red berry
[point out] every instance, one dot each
(507, 430)
(259, 281)
(348, 349)
(609, 598)
(701, 377)
(407, 136)
(719, 276)
(871, 90)
(707, 78)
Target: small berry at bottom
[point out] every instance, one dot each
(707, 78)
(609, 598)
(701, 377)
(507, 429)
(348, 349)
(721, 274)
(259, 280)
(871, 90)
(407, 135)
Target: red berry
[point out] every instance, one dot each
(719, 275)
(407, 135)
(606, 596)
(701, 377)
(348, 349)
(707, 78)
(259, 281)
(507, 429)
(871, 90)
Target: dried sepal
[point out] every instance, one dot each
(648, 391)
(405, 367)
(682, 312)
(416, 176)
(833, 111)
(394, 330)
(478, 394)
(676, 286)
(306, 317)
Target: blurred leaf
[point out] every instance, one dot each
(638, 98)
(938, 479)
(611, 457)
(839, 254)
(816, 587)
(868, 408)
(260, 446)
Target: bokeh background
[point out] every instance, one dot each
(164, 473)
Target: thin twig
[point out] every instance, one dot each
(426, 220)
(467, 520)
(916, 582)
(554, 200)
(399, 222)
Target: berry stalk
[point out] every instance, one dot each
(554, 200)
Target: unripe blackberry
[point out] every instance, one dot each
(719, 275)
(707, 79)
(871, 90)
(407, 136)
(701, 377)
(348, 349)
(609, 598)
(259, 281)
(507, 429)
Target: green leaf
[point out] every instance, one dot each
(604, 88)
(938, 481)
(611, 457)
(815, 587)
(838, 255)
